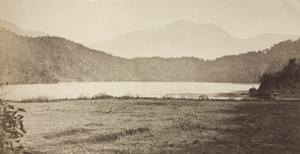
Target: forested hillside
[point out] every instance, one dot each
(26, 60)
(52, 59)
(286, 79)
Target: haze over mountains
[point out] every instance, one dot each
(14, 28)
(179, 39)
(185, 38)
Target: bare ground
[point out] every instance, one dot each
(162, 126)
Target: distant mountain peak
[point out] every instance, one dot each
(190, 24)
(185, 38)
(19, 31)
(12, 27)
(187, 22)
(182, 22)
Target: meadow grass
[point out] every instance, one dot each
(162, 126)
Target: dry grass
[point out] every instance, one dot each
(65, 133)
(162, 126)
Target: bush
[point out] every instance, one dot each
(253, 90)
(11, 128)
(203, 97)
(102, 96)
(38, 99)
(232, 96)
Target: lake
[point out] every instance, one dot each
(73, 90)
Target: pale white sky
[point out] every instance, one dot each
(98, 20)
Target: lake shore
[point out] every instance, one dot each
(162, 126)
(119, 89)
(241, 95)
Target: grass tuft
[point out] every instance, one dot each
(109, 137)
(67, 132)
(94, 124)
(118, 135)
(187, 125)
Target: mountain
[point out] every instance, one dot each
(26, 60)
(36, 33)
(14, 28)
(184, 38)
(52, 59)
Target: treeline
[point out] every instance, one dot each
(286, 79)
(26, 60)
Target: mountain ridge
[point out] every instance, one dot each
(185, 38)
(16, 29)
(27, 60)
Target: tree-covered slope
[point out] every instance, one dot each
(53, 59)
(287, 78)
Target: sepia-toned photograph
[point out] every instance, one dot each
(149, 76)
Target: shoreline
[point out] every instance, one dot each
(221, 99)
(222, 96)
(232, 96)
(119, 89)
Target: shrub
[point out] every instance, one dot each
(102, 96)
(38, 99)
(203, 97)
(253, 90)
(11, 128)
(232, 96)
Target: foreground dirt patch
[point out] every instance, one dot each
(162, 126)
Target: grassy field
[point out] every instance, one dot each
(162, 126)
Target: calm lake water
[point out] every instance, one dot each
(144, 89)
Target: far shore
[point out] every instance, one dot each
(182, 90)
(233, 96)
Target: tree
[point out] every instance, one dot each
(287, 78)
(11, 128)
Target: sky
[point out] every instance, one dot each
(86, 21)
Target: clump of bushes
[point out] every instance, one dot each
(253, 90)
(186, 96)
(11, 128)
(203, 97)
(102, 96)
(130, 96)
(38, 99)
(286, 79)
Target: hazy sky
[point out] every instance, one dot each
(97, 20)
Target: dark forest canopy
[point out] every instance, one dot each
(286, 79)
(26, 60)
